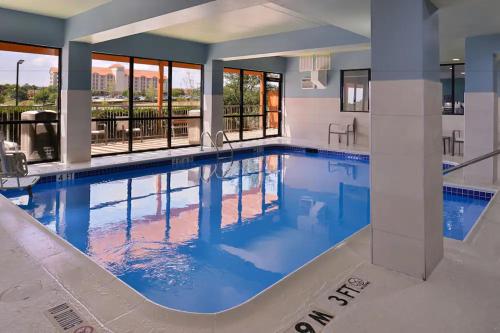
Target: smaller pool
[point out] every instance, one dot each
(460, 213)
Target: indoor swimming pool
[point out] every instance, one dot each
(204, 236)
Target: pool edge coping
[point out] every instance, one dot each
(259, 295)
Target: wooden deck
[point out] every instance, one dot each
(102, 148)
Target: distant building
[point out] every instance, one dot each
(54, 77)
(114, 79)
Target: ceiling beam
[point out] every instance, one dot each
(121, 18)
(307, 39)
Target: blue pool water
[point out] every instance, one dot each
(210, 236)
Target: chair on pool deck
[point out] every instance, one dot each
(343, 126)
(99, 130)
(456, 138)
(123, 127)
(14, 170)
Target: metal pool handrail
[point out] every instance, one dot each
(227, 139)
(211, 140)
(473, 161)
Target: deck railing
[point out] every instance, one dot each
(149, 118)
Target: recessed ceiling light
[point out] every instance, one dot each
(463, 73)
(456, 59)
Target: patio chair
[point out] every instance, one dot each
(98, 130)
(14, 170)
(343, 126)
(456, 138)
(122, 126)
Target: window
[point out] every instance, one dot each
(30, 99)
(252, 104)
(186, 104)
(453, 81)
(355, 90)
(144, 104)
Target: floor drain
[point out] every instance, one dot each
(67, 319)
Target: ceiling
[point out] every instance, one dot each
(54, 8)
(466, 18)
(237, 19)
(247, 22)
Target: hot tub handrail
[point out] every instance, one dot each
(470, 162)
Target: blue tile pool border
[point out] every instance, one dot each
(470, 193)
(183, 161)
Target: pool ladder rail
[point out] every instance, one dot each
(219, 157)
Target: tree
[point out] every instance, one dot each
(2, 98)
(46, 95)
(192, 90)
(231, 89)
(42, 96)
(151, 93)
(177, 92)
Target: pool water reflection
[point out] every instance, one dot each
(202, 243)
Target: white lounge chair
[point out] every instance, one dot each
(14, 170)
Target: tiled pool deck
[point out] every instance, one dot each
(39, 271)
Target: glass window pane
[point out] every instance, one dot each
(186, 131)
(272, 96)
(273, 76)
(148, 134)
(110, 82)
(231, 92)
(150, 104)
(253, 92)
(232, 128)
(36, 99)
(186, 90)
(355, 90)
(38, 141)
(272, 125)
(253, 127)
(232, 103)
(459, 89)
(446, 81)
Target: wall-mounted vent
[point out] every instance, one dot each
(322, 63)
(306, 64)
(319, 79)
(306, 83)
(318, 66)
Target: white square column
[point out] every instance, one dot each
(481, 103)
(213, 111)
(76, 103)
(406, 171)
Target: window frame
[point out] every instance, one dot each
(453, 90)
(58, 53)
(169, 64)
(342, 81)
(241, 116)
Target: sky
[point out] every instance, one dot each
(35, 69)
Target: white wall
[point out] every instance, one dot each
(308, 112)
(453, 122)
(308, 119)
